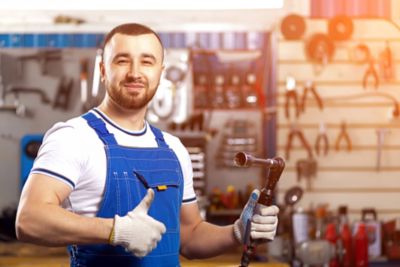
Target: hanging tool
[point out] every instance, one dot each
(322, 143)
(249, 91)
(362, 55)
(173, 99)
(43, 57)
(371, 73)
(381, 133)
(343, 135)
(16, 90)
(319, 47)
(320, 50)
(340, 28)
(386, 63)
(89, 98)
(217, 94)
(63, 93)
(201, 91)
(295, 131)
(306, 168)
(232, 91)
(309, 86)
(291, 96)
(293, 27)
(18, 107)
(275, 166)
(238, 134)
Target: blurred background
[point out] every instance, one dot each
(316, 82)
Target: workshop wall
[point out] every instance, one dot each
(342, 177)
(353, 178)
(39, 116)
(29, 74)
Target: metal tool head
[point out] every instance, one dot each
(243, 159)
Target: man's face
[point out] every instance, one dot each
(131, 69)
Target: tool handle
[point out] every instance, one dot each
(266, 197)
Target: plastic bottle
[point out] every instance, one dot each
(330, 235)
(345, 238)
(361, 247)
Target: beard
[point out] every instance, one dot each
(130, 100)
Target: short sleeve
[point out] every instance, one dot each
(181, 152)
(62, 154)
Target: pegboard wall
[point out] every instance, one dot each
(362, 177)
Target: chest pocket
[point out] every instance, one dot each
(167, 198)
(130, 189)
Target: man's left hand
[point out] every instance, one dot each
(263, 220)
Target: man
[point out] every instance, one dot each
(117, 190)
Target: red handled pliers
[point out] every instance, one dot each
(322, 140)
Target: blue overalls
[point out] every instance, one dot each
(130, 172)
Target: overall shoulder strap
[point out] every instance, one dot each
(159, 136)
(100, 127)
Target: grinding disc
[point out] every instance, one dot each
(293, 27)
(340, 28)
(320, 47)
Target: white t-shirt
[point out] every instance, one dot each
(73, 153)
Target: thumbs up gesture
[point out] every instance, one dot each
(137, 232)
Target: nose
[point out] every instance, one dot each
(134, 70)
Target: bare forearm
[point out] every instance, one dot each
(51, 225)
(208, 240)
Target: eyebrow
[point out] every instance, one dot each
(147, 55)
(144, 55)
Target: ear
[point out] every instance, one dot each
(102, 71)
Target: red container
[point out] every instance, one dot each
(361, 247)
(345, 237)
(331, 236)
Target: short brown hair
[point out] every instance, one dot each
(130, 29)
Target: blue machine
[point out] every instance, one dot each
(30, 144)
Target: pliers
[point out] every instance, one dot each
(322, 140)
(371, 72)
(343, 135)
(292, 134)
(309, 86)
(291, 96)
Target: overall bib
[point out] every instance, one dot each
(130, 172)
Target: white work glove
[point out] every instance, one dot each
(137, 232)
(263, 223)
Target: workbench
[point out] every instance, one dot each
(26, 255)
